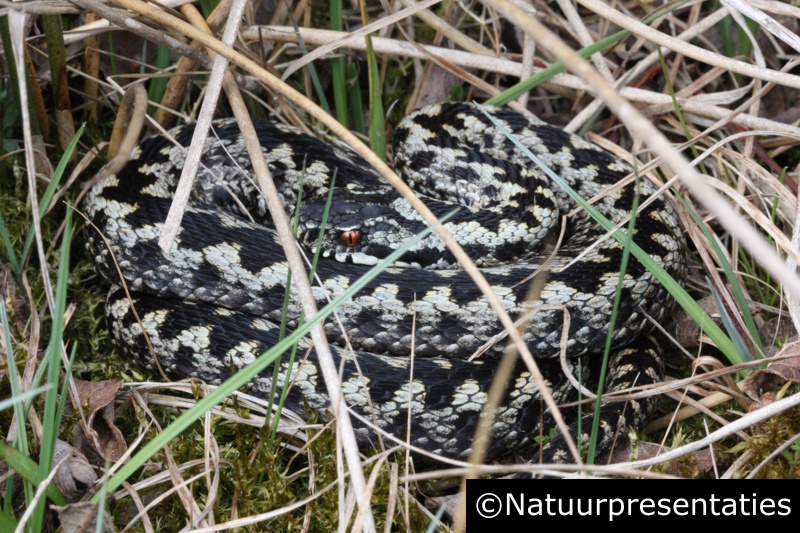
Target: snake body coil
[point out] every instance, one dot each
(215, 302)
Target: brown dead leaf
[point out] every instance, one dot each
(758, 383)
(687, 332)
(777, 327)
(82, 517)
(788, 369)
(450, 504)
(761, 384)
(766, 399)
(75, 475)
(702, 460)
(98, 397)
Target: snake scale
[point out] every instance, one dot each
(214, 303)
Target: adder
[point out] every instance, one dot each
(215, 302)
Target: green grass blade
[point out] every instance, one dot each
(65, 385)
(323, 223)
(7, 523)
(515, 91)
(725, 27)
(246, 374)
(18, 399)
(158, 85)
(377, 124)
(286, 297)
(676, 106)
(728, 323)
(11, 66)
(745, 44)
(354, 100)
(207, 6)
(101, 505)
(13, 72)
(437, 520)
(28, 469)
(9, 247)
(287, 293)
(5, 111)
(312, 71)
(623, 268)
(52, 361)
(526, 85)
(112, 57)
(57, 58)
(730, 275)
(44, 201)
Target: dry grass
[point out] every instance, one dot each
(701, 94)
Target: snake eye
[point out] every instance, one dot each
(350, 238)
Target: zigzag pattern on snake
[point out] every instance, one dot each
(215, 302)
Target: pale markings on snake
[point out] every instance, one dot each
(215, 300)
(242, 354)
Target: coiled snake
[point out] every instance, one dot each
(215, 302)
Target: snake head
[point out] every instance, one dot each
(365, 230)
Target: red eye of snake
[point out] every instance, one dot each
(351, 238)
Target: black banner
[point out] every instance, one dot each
(620, 505)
